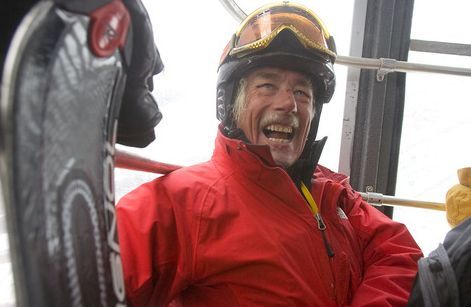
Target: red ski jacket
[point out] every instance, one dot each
(236, 231)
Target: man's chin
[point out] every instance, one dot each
(283, 160)
(283, 154)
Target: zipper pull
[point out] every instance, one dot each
(320, 222)
(322, 227)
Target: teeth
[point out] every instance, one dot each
(279, 140)
(279, 128)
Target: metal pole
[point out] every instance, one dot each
(134, 162)
(379, 199)
(232, 7)
(386, 65)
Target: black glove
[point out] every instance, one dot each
(14, 13)
(139, 111)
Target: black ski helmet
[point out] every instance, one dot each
(284, 35)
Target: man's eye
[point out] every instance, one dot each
(266, 85)
(302, 93)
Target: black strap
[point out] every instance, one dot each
(435, 273)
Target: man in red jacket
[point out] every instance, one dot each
(261, 223)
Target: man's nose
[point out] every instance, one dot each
(286, 102)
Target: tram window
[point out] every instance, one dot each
(437, 120)
(437, 21)
(435, 143)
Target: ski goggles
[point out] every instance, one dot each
(261, 27)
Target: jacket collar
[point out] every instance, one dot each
(248, 157)
(301, 170)
(254, 163)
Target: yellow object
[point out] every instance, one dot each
(464, 175)
(458, 198)
(309, 198)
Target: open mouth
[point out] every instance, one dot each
(279, 133)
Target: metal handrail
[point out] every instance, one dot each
(378, 199)
(134, 162)
(233, 9)
(386, 65)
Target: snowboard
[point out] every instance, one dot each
(61, 91)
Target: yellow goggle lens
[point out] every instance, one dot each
(262, 26)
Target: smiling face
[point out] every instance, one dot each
(277, 112)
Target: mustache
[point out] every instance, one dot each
(283, 119)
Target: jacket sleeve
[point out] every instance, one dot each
(151, 246)
(390, 256)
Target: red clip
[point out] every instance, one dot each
(108, 28)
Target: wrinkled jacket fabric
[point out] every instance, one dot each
(236, 231)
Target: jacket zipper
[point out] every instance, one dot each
(330, 252)
(320, 222)
(322, 227)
